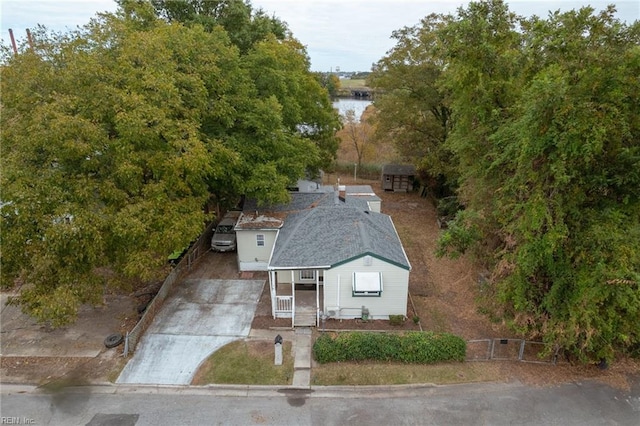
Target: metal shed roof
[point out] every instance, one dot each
(398, 169)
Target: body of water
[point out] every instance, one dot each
(345, 104)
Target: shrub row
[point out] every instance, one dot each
(411, 347)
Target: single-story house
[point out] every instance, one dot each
(328, 254)
(398, 178)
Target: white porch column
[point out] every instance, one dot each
(317, 297)
(293, 298)
(272, 289)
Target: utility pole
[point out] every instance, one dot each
(29, 39)
(13, 42)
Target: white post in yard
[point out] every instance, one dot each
(278, 350)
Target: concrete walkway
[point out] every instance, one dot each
(300, 347)
(302, 360)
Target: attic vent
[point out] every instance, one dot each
(368, 261)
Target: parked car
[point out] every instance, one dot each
(224, 236)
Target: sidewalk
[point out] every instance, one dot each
(300, 339)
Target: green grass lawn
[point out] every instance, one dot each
(251, 363)
(246, 363)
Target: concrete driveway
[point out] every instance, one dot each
(199, 318)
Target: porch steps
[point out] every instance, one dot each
(305, 318)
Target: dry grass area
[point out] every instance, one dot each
(443, 290)
(375, 374)
(450, 373)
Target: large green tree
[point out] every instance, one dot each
(412, 110)
(542, 141)
(546, 137)
(278, 65)
(244, 25)
(114, 137)
(570, 206)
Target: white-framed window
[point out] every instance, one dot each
(367, 284)
(260, 240)
(308, 275)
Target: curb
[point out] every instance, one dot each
(235, 390)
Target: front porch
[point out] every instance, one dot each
(302, 304)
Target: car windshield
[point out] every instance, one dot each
(225, 229)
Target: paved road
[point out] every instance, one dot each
(589, 403)
(201, 317)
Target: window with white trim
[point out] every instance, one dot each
(308, 275)
(260, 240)
(367, 284)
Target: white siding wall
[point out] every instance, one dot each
(284, 277)
(250, 256)
(393, 301)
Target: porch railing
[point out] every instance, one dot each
(284, 306)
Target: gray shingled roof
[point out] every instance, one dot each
(299, 201)
(333, 233)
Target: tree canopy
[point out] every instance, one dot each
(544, 145)
(412, 110)
(116, 135)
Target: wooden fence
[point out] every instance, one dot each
(200, 247)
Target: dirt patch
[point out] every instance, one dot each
(57, 372)
(33, 353)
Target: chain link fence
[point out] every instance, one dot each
(509, 350)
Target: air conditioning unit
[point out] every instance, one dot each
(332, 312)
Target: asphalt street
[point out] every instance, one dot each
(588, 403)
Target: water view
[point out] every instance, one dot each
(345, 104)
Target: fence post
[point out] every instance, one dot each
(521, 354)
(493, 344)
(125, 351)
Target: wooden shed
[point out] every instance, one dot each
(397, 177)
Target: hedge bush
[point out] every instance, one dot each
(412, 347)
(396, 319)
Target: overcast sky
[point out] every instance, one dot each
(349, 34)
